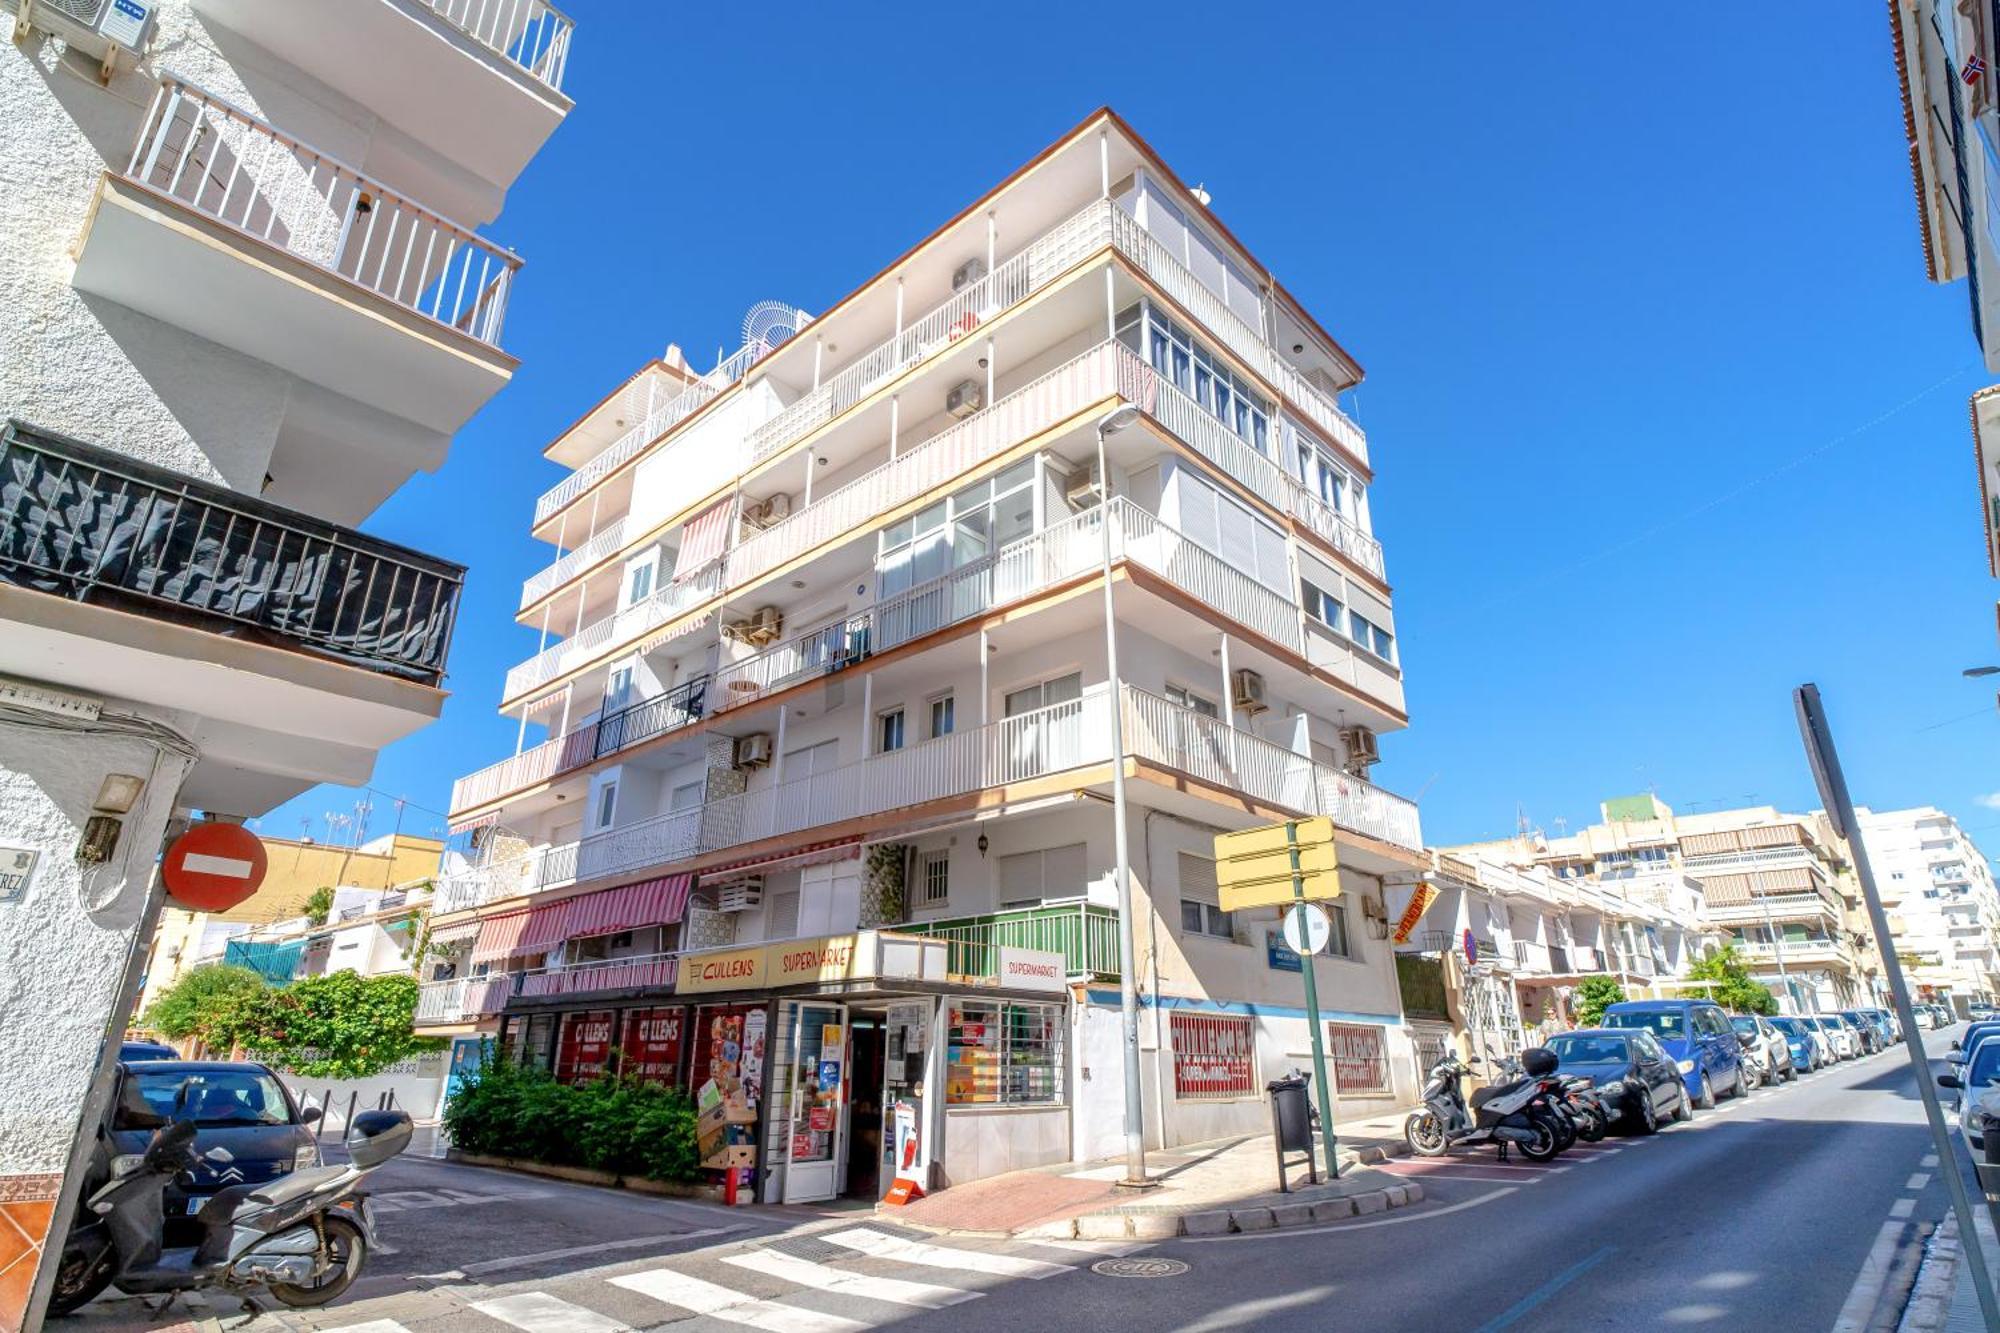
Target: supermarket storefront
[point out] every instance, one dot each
(835, 1067)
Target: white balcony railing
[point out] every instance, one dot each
(1206, 748)
(228, 165)
(1179, 282)
(1205, 576)
(1051, 254)
(441, 1001)
(658, 422)
(541, 868)
(604, 544)
(527, 33)
(614, 631)
(658, 969)
(1761, 857)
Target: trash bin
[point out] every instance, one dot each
(1291, 1113)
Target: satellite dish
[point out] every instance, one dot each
(771, 323)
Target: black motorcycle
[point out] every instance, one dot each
(303, 1237)
(1517, 1112)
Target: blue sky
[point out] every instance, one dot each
(1665, 417)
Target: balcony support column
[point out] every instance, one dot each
(819, 346)
(992, 245)
(1228, 700)
(992, 362)
(778, 750)
(985, 688)
(867, 709)
(810, 465)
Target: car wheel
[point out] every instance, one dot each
(1649, 1119)
(1683, 1109)
(1707, 1099)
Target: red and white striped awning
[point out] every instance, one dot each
(703, 537)
(476, 821)
(812, 854)
(651, 902)
(499, 936)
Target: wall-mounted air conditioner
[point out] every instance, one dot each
(1247, 690)
(741, 896)
(971, 271)
(763, 513)
(761, 627)
(753, 751)
(106, 29)
(1080, 487)
(965, 398)
(1361, 751)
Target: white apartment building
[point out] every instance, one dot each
(1942, 905)
(860, 651)
(1780, 887)
(1510, 944)
(242, 300)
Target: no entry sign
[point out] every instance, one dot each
(213, 867)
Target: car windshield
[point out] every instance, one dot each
(1791, 1027)
(1573, 1049)
(1746, 1027)
(1660, 1022)
(212, 1096)
(1985, 1066)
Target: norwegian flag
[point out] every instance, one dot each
(1975, 66)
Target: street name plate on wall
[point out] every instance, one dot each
(17, 872)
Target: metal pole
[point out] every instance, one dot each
(1306, 969)
(1825, 761)
(1128, 992)
(1777, 948)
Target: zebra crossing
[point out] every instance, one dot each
(839, 1280)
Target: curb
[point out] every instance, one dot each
(1930, 1300)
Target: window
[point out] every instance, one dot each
(1321, 605)
(935, 878)
(889, 731)
(639, 579)
(1215, 1056)
(618, 690)
(1004, 1054)
(781, 917)
(957, 531)
(941, 716)
(1188, 699)
(1337, 940)
(1359, 1054)
(607, 805)
(1216, 522)
(1030, 878)
(1371, 636)
(206, 1097)
(1201, 910)
(1206, 378)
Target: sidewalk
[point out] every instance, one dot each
(1943, 1300)
(1205, 1189)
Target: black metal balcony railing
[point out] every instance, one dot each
(662, 713)
(85, 523)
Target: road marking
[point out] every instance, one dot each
(1436, 1163)
(719, 1302)
(883, 1246)
(809, 1274)
(1520, 1309)
(1902, 1208)
(1929, 1159)
(1867, 1288)
(518, 1260)
(1397, 1218)
(372, 1326)
(1917, 1181)
(539, 1312)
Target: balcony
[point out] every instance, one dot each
(613, 633)
(229, 228)
(477, 83)
(1795, 951)
(1086, 935)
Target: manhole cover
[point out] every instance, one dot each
(1139, 1267)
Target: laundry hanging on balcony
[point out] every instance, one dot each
(661, 901)
(499, 936)
(703, 539)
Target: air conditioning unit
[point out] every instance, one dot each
(763, 513)
(971, 271)
(754, 750)
(765, 626)
(740, 896)
(1361, 751)
(1248, 689)
(102, 28)
(965, 398)
(1080, 487)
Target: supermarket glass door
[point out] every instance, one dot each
(818, 1139)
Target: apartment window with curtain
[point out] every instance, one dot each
(1182, 360)
(957, 531)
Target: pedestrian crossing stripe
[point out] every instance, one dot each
(539, 1312)
(822, 1277)
(880, 1245)
(731, 1306)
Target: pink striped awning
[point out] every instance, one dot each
(703, 537)
(499, 936)
(812, 854)
(651, 902)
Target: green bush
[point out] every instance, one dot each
(1594, 996)
(627, 1128)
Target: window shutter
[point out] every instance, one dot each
(1063, 870)
(1020, 877)
(1198, 879)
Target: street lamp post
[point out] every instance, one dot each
(1128, 992)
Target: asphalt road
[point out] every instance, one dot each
(1759, 1215)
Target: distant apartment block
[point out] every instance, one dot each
(1941, 901)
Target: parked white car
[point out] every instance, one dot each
(1979, 1073)
(1840, 1035)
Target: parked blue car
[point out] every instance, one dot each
(1805, 1054)
(1706, 1049)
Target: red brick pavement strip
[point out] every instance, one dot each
(1006, 1203)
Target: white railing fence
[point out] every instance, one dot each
(599, 547)
(1205, 576)
(529, 33)
(228, 165)
(613, 631)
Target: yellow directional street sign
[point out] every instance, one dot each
(1253, 867)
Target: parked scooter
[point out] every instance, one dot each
(1582, 1103)
(303, 1237)
(1516, 1113)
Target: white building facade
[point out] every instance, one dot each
(1943, 909)
(860, 652)
(243, 299)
